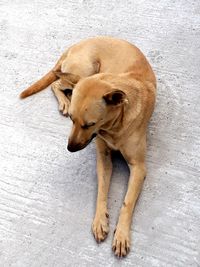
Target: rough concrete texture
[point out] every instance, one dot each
(47, 195)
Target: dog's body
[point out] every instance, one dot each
(113, 97)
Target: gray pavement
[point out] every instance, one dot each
(47, 195)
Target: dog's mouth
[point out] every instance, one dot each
(76, 147)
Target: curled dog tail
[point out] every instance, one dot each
(45, 81)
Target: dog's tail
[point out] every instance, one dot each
(45, 81)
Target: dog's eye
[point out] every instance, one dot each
(86, 126)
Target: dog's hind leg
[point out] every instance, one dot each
(63, 100)
(100, 226)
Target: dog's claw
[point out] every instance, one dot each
(121, 243)
(100, 228)
(63, 107)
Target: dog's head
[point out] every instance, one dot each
(95, 104)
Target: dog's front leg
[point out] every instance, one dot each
(121, 241)
(100, 226)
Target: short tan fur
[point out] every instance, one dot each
(113, 95)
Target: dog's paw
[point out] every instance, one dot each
(121, 242)
(63, 106)
(100, 227)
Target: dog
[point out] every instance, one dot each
(108, 89)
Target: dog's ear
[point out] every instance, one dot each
(115, 97)
(69, 77)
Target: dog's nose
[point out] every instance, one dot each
(73, 147)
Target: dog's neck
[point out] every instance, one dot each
(113, 128)
(114, 121)
(121, 125)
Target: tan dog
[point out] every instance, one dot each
(113, 98)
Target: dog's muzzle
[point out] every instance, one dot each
(73, 147)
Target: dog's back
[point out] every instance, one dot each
(98, 55)
(110, 55)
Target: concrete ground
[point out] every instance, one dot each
(47, 195)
